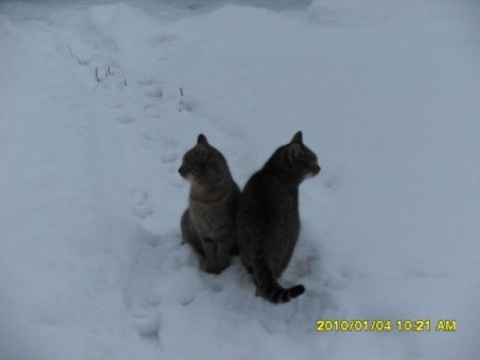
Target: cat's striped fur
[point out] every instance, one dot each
(208, 224)
(268, 222)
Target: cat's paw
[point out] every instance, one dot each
(215, 268)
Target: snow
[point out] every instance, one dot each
(93, 126)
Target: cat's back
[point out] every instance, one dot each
(268, 205)
(266, 190)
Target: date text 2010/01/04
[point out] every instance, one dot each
(378, 325)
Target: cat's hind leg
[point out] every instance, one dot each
(217, 255)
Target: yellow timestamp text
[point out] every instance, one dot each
(383, 325)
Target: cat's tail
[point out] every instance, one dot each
(268, 286)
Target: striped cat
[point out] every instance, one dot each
(208, 224)
(268, 222)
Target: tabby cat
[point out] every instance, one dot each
(208, 224)
(268, 222)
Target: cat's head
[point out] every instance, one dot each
(297, 159)
(202, 160)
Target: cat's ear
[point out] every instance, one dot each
(294, 152)
(202, 139)
(297, 138)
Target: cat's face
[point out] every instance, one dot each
(300, 158)
(199, 161)
(193, 165)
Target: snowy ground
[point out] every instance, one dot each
(93, 127)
